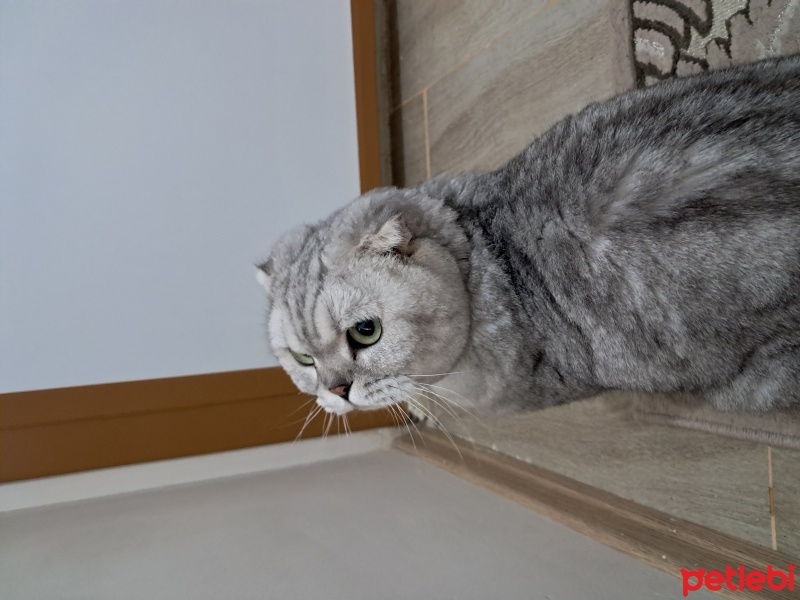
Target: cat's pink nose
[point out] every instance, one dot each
(341, 390)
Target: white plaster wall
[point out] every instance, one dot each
(150, 152)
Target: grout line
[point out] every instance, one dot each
(773, 528)
(470, 57)
(410, 98)
(427, 137)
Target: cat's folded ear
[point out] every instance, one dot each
(283, 254)
(264, 273)
(394, 237)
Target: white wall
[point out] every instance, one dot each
(150, 152)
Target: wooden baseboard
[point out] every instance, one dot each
(101, 483)
(53, 432)
(665, 542)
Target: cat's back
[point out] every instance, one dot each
(741, 99)
(664, 225)
(741, 119)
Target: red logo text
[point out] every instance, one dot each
(738, 580)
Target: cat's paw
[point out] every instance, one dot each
(417, 416)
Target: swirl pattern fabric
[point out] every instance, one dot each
(674, 38)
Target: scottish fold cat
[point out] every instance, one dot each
(648, 243)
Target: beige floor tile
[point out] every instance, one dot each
(786, 480)
(377, 526)
(409, 165)
(570, 54)
(434, 37)
(711, 480)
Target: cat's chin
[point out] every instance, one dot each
(343, 407)
(335, 406)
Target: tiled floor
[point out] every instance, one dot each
(477, 82)
(378, 525)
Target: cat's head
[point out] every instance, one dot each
(366, 301)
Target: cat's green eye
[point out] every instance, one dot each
(365, 333)
(303, 359)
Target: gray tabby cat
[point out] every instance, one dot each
(649, 243)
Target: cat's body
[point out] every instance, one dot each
(650, 243)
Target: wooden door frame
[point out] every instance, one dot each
(65, 430)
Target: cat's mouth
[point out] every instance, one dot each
(366, 396)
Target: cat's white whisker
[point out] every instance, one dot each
(451, 412)
(407, 421)
(347, 429)
(439, 425)
(301, 407)
(425, 410)
(425, 391)
(388, 408)
(443, 406)
(414, 425)
(309, 417)
(458, 418)
(450, 400)
(436, 374)
(321, 412)
(400, 418)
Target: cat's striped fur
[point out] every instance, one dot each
(648, 243)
